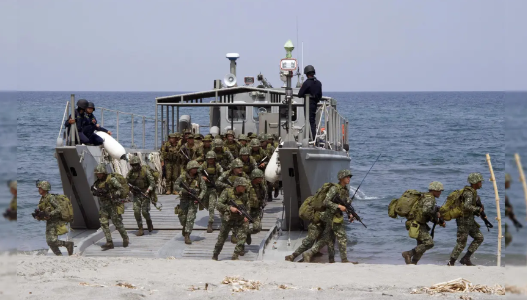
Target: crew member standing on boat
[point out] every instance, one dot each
(80, 120)
(91, 126)
(313, 87)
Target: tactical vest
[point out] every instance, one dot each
(171, 153)
(260, 195)
(192, 183)
(258, 155)
(239, 200)
(247, 166)
(44, 204)
(233, 147)
(139, 179)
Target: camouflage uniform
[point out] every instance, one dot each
(202, 150)
(144, 180)
(110, 209)
(223, 155)
(243, 140)
(11, 211)
(169, 153)
(234, 147)
(314, 232)
(232, 221)
(248, 165)
(209, 200)
(188, 205)
(466, 224)
(259, 154)
(229, 175)
(257, 200)
(190, 151)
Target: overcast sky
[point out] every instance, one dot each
(181, 45)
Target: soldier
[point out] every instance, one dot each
(91, 125)
(257, 192)
(257, 153)
(51, 213)
(425, 211)
(232, 218)
(198, 140)
(188, 204)
(223, 155)
(227, 177)
(334, 220)
(467, 225)
(314, 232)
(205, 148)
(253, 136)
(313, 87)
(248, 162)
(509, 212)
(141, 178)
(187, 152)
(169, 153)
(183, 140)
(271, 140)
(109, 188)
(11, 211)
(233, 146)
(213, 170)
(269, 150)
(243, 140)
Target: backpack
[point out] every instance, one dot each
(66, 209)
(125, 189)
(404, 205)
(453, 207)
(314, 203)
(154, 173)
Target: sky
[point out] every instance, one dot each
(155, 45)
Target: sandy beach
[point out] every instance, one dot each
(44, 277)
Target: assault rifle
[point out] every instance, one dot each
(483, 215)
(137, 190)
(185, 154)
(349, 209)
(40, 214)
(263, 160)
(211, 181)
(103, 192)
(9, 214)
(191, 192)
(241, 210)
(436, 220)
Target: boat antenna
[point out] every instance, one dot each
(298, 81)
(365, 177)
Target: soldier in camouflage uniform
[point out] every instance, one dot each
(271, 140)
(334, 220)
(257, 199)
(231, 218)
(233, 146)
(169, 153)
(110, 208)
(214, 170)
(198, 140)
(243, 140)
(49, 204)
(425, 211)
(205, 148)
(257, 153)
(142, 178)
(223, 155)
(188, 205)
(252, 137)
(183, 140)
(248, 162)
(11, 211)
(466, 224)
(188, 152)
(314, 232)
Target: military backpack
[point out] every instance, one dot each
(66, 209)
(453, 207)
(405, 205)
(125, 190)
(313, 204)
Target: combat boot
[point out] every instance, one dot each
(214, 256)
(466, 259)
(291, 257)
(270, 195)
(107, 246)
(126, 241)
(56, 250)
(248, 240)
(407, 255)
(209, 228)
(69, 246)
(234, 240)
(168, 192)
(242, 252)
(452, 262)
(332, 259)
(175, 193)
(276, 191)
(187, 239)
(308, 255)
(149, 225)
(235, 256)
(140, 231)
(345, 260)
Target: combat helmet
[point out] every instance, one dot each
(253, 136)
(192, 165)
(239, 181)
(309, 69)
(243, 137)
(474, 178)
(255, 143)
(237, 163)
(344, 173)
(508, 177)
(172, 135)
(257, 173)
(91, 105)
(100, 169)
(245, 151)
(199, 137)
(211, 154)
(262, 137)
(208, 138)
(45, 185)
(436, 186)
(229, 132)
(82, 104)
(190, 136)
(218, 143)
(135, 160)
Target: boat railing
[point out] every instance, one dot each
(331, 127)
(71, 140)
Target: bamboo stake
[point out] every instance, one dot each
(522, 175)
(498, 212)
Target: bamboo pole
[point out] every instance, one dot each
(498, 212)
(522, 175)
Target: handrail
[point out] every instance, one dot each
(63, 117)
(333, 123)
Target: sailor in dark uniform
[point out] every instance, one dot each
(91, 126)
(313, 87)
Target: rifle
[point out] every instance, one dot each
(241, 210)
(186, 156)
(349, 209)
(138, 191)
(263, 160)
(191, 193)
(365, 177)
(211, 181)
(40, 214)
(483, 215)
(437, 220)
(9, 214)
(263, 202)
(106, 193)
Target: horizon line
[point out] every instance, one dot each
(158, 91)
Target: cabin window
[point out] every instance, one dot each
(236, 112)
(283, 113)
(258, 109)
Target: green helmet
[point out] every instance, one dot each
(243, 137)
(257, 173)
(208, 138)
(187, 131)
(240, 181)
(255, 143)
(211, 154)
(218, 143)
(172, 135)
(12, 184)
(135, 160)
(45, 185)
(435, 186)
(192, 165)
(100, 169)
(262, 137)
(245, 151)
(474, 178)
(190, 136)
(270, 137)
(230, 132)
(508, 177)
(237, 163)
(199, 136)
(344, 173)
(253, 136)
(178, 135)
